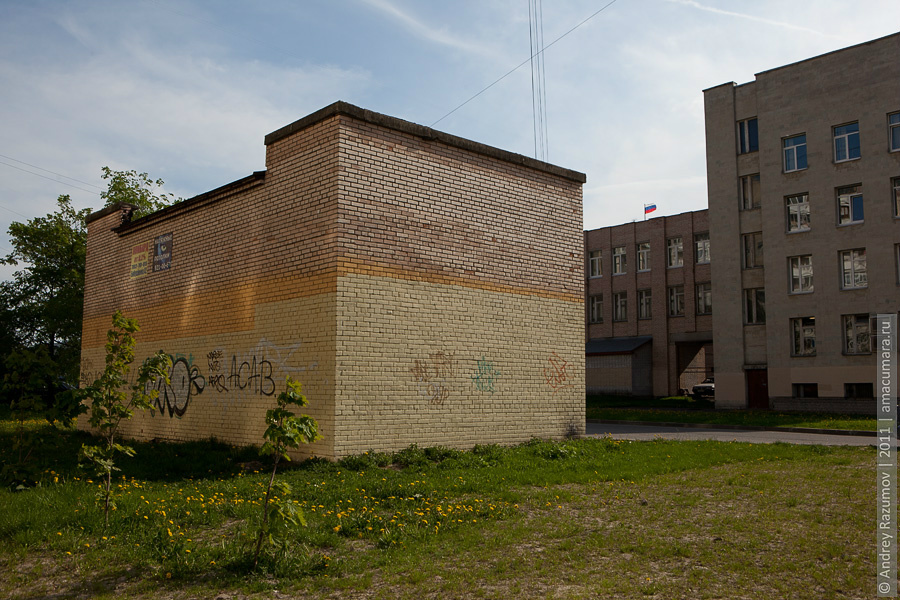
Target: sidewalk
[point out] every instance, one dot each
(631, 430)
(856, 432)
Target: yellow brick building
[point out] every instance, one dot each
(424, 288)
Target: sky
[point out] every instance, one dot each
(186, 90)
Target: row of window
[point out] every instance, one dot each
(846, 144)
(674, 256)
(675, 299)
(851, 390)
(800, 268)
(856, 329)
(849, 209)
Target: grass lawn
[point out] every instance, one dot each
(575, 519)
(687, 410)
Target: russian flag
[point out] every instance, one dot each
(649, 208)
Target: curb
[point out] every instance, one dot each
(738, 427)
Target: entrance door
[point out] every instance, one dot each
(758, 389)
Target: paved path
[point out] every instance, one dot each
(649, 432)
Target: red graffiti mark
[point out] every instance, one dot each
(555, 374)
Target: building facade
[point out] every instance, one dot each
(423, 288)
(648, 306)
(803, 172)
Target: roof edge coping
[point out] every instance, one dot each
(368, 116)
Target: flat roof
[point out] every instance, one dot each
(427, 133)
(817, 57)
(616, 345)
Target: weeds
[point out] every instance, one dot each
(487, 519)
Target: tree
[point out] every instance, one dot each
(42, 304)
(285, 430)
(110, 405)
(137, 189)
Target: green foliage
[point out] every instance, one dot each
(41, 306)
(40, 339)
(285, 431)
(136, 189)
(110, 404)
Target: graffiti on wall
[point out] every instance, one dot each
(185, 381)
(432, 374)
(485, 376)
(88, 374)
(555, 373)
(228, 378)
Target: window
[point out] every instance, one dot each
(805, 390)
(701, 248)
(748, 136)
(794, 153)
(753, 250)
(853, 269)
(897, 259)
(894, 131)
(596, 306)
(644, 304)
(859, 390)
(643, 256)
(755, 306)
(804, 342)
(850, 205)
(704, 299)
(896, 202)
(675, 254)
(797, 212)
(676, 301)
(856, 334)
(594, 259)
(846, 142)
(801, 272)
(750, 194)
(620, 307)
(619, 260)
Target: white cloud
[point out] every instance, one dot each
(432, 34)
(729, 13)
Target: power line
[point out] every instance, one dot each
(14, 212)
(49, 171)
(538, 80)
(523, 63)
(48, 178)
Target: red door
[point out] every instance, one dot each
(758, 389)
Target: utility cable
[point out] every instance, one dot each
(50, 178)
(22, 162)
(524, 62)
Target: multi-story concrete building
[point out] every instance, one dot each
(424, 289)
(648, 306)
(803, 172)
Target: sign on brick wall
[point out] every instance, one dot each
(152, 256)
(139, 259)
(162, 252)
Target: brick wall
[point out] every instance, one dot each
(424, 289)
(664, 329)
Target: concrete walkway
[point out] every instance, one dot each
(626, 431)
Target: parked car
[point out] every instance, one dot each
(705, 389)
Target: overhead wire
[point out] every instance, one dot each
(524, 62)
(22, 162)
(50, 178)
(538, 79)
